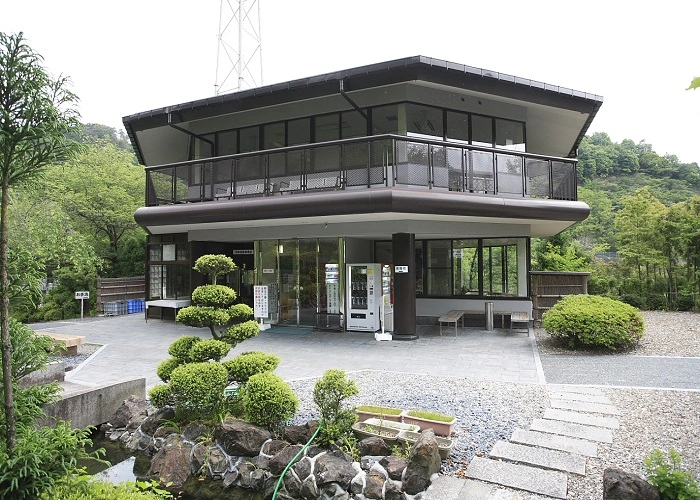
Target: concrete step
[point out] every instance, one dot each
(521, 477)
(572, 430)
(541, 457)
(563, 404)
(580, 389)
(555, 442)
(582, 418)
(452, 488)
(574, 396)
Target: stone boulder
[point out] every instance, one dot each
(333, 491)
(151, 424)
(132, 409)
(171, 465)
(423, 462)
(195, 431)
(374, 446)
(283, 458)
(334, 467)
(394, 466)
(251, 477)
(240, 438)
(621, 485)
(374, 486)
(274, 446)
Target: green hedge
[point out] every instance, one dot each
(160, 396)
(165, 368)
(593, 321)
(198, 389)
(245, 365)
(269, 401)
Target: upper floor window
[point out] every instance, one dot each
(424, 121)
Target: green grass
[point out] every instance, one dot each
(431, 415)
(381, 410)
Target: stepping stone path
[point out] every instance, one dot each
(539, 459)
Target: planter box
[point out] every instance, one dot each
(439, 428)
(363, 430)
(363, 415)
(392, 425)
(444, 444)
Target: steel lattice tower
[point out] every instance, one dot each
(239, 52)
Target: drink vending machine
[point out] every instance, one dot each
(364, 293)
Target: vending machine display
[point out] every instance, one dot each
(363, 297)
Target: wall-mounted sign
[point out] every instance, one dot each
(400, 269)
(268, 271)
(242, 252)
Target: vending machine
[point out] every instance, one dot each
(364, 294)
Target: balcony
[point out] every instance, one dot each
(364, 163)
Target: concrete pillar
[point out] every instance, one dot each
(404, 254)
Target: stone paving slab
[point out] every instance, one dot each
(452, 488)
(580, 389)
(574, 396)
(582, 418)
(572, 430)
(563, 404)
(555, 442)
(522, 477)
(542, 457)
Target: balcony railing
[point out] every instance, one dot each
(364, 163)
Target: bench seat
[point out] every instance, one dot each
(451, 317)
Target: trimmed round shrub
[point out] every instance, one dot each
(209, 349)
(269, 401)
(180, 349)
(200, 317)
(240, 332)
(245, 365)
(165, 368)
(240, 312)
(198, 389)
(214, 265)
(593, 321)
(219, 296)
(160, 396)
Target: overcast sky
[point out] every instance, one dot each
(128, 56)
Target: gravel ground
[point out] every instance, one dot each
(666, 334)
(72, 361)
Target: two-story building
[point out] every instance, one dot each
(442, 169)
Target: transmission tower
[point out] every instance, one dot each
(239, 52)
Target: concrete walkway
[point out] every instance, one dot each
(134, 348)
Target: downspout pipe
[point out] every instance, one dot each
(191, 134)
(352, 103)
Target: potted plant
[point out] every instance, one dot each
(392, 425)
(444, 444)
(382, 412)
(364, 430)
(442, 425)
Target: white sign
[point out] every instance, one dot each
(260, 301)
(82, 295)
(268, 271)
(400, 269)
(242, 252)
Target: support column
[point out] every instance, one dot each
(404, 254)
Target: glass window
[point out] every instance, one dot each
(299, 132)
(420, 290)
(227, 142)
(249, 139)
(457, 127)
(327, 128)
(482, 131)
(385, 120)
(424, 121)
(466, 267)
(500, 266)
(439, 267)
(510, 135)
(273, 136)
(353, 124)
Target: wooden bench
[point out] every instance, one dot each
(451, 317)
(520, 318)
(71, 342)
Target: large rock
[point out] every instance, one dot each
(392, 491)
(374, 486)
(334, 467)
(333, 491)
(132, 408)
(374, 446)
(423, 462)
(251, 478)
(196, 431)
(394, 466)
(302, 468)
(274, 446)
(151, 424)
(621, 485)
(240, 438)
(283, 458)
(171, 465)
(296, 434)
(309, 489)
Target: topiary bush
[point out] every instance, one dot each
(330, 393)
(593, 321)
(218, 296)
(210, 349)
(198, 390)
(180, 349)
(245, 365)
(242, 331)
(214, 265)
(160, 396)
(269, 401)
(165, 368)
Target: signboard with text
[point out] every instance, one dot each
(260, 302)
